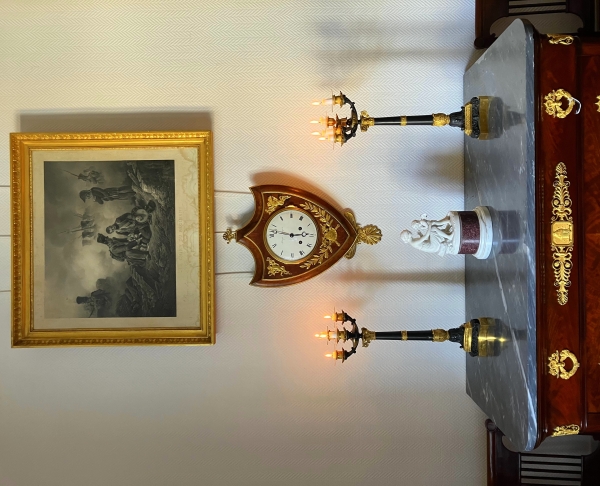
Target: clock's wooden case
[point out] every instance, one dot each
(337, 236)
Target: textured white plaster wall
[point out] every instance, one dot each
(263, 406)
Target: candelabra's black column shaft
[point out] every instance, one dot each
(410, 336)
(404, 120)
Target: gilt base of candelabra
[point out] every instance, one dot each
(476, 117)
(478, 337)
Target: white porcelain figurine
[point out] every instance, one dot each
(460, 232)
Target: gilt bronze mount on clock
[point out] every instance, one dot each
(472, 119)
(295, 235)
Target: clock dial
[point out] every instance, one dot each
(291, 235)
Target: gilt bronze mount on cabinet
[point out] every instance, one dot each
(472, 119)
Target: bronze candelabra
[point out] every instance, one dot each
(472, 119)
(475, 337)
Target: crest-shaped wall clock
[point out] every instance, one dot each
(295, 235)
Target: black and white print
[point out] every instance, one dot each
(109, 239)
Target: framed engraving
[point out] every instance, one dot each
(112, 239)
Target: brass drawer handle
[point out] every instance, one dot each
(556, 364)
(565, 40)
(553, 103)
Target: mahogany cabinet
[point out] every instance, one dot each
(573, 325)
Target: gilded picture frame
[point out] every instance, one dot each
(112, 239)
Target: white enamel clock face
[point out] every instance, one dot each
(291, 235)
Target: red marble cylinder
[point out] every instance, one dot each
(470, 233)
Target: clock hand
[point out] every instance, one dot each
(304, 234)
(293, 235)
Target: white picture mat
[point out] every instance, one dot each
(186, 234)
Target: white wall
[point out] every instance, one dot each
(263, 406)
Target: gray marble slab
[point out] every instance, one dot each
(500, 173)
